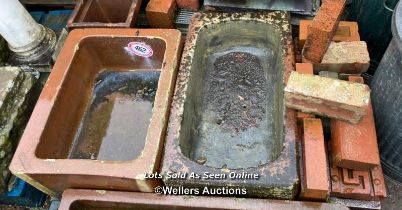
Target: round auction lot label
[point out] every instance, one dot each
(140, 49)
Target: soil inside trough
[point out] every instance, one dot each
(115, 125)
(236, 91)
(236, 127)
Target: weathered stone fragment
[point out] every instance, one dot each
(327, 97)
(15, 93)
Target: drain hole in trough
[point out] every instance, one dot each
(115, 124)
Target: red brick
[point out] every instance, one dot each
(347, 141)
(350, 183)
(346, 32)
(160, 13)
(327, 97)
(304, 68)
(322, 30)
(192, 5)
(314, 182)
(355, 184)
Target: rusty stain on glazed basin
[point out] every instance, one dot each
(98, 199)
(98, 104)
(227, 113)
(104, 14)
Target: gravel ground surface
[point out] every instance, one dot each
(394, 199)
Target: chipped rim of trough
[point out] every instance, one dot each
(25, 163)
(276, 175)
(129, 22)
(71, 196)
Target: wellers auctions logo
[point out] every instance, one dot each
(180, 190)
(206, 190)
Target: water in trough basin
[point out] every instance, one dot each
(115, 125)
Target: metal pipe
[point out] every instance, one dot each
(28, 40)
(17, 26)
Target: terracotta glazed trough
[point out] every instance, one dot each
(100, 120)
(104, 14)
(99, 200)
(227, 114)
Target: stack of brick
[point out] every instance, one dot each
(330, 50)
(16, 98)
(355, 168)
(333, 47)
(355, 163)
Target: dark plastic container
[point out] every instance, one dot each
(387, 101)
(374, 19)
